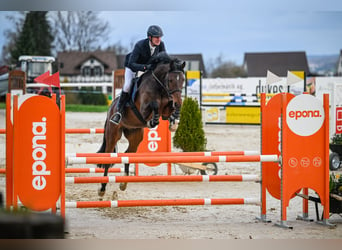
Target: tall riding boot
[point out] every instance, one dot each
(116, 118)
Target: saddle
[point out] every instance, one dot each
(136, 81)
(134, 89)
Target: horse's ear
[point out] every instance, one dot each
(183, 65)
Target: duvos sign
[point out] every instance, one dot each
(37, 135)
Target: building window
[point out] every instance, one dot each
(97, 71)
(86, 71)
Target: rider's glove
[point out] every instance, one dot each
(148, 67)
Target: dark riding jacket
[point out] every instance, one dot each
(141, 54)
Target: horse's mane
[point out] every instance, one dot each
(163, 58)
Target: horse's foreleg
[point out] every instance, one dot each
(134, 137)
(123, 185)
(155, 115)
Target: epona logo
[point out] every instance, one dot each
(305, 115)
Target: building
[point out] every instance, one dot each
(98, 66)
(257, 64)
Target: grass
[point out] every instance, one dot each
(85, 108)
(76, 108)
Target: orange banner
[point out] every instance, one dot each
(37, 170)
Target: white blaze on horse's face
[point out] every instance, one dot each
(176, 81)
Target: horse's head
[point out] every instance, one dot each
(176, 81)
(175, 85)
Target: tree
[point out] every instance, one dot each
(80, 31)
(12, 35)
(226, 69)
(35, 37)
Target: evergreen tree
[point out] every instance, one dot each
(35, 37)
(190, 136)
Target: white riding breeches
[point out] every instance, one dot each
(129, 74)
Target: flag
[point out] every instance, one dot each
(40, 78)
(272, 78)
(52, 80)
(294, 77)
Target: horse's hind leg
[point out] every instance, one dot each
(134, 137)
(102, 190)
(112, 136)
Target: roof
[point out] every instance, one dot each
(72, 61)
(257, 64)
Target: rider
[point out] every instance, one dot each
(137, 61)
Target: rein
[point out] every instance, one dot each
(164, 87)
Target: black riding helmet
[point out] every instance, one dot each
(154, 31)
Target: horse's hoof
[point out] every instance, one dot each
(101, 193)
(115, 196)
(123, 186)
(173, 127)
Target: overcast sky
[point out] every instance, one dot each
(217, 28)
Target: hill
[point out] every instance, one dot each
(323, 64)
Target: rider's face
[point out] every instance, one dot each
(155, 41)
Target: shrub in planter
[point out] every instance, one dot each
(190, 136)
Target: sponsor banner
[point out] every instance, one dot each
(212, 114)
(243, 115)
(338, 120)
(37, 137)
(156, 139)
(305, 115)
(305, 161)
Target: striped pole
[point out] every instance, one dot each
(83, 170)
(172, 159)
(84, 131)
(229, 94)
(75, 131)
(214, 153)
(162, 178)
(92, 170)
(170, 202)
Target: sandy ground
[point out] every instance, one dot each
(185, 222)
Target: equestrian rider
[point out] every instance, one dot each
(137, 61)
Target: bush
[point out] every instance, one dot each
(337, 139)
(190, 136)
(88, 96)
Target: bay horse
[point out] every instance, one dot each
(159, 93)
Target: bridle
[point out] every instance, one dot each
(166, 87)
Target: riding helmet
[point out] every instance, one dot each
(154, 31)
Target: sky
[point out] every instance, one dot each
(221, 28)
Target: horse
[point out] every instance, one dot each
(159, 93)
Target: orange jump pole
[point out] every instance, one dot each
(171, 202)
(163, 154)
(84, 131)
(162, 178)
(172, 159)
(74, 131)
(83, 170)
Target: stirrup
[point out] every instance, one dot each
(116, 118)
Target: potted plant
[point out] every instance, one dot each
(335, 190)
(336, 148)
(190, 135)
